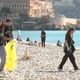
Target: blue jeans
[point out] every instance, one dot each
(2, 56)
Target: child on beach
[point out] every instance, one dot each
(69, 49)
(2, 49)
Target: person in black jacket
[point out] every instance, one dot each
(69, 49)
(43, 37)
(8, 30)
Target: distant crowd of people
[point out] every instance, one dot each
(43, 39)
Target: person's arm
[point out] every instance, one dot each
(3, 31)
(3, 41)
(11, 34)
(45, 35)
(66, 40)
(72, 39)
(11, 29)
(66, 44)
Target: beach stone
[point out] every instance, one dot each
(43, 64)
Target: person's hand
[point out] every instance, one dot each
(11, 46)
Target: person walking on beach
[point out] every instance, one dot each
(43, 37)
(69, 50)
(2, 49)
(8, 30)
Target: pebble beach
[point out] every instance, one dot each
(42, 64)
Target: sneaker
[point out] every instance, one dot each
(59, 69)
(77, 69)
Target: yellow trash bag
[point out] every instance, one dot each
(11, 58)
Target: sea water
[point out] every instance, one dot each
(51, 36)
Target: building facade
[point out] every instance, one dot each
(62, 20)
(19, 6)
(1, 5)
(68, 1)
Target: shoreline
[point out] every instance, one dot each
(52, 44)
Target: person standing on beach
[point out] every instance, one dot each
(43, 37)
(10, 47)
(8, 30)
(2, 49)
(69, 49)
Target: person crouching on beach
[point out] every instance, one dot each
(2, 48)
(69, 50)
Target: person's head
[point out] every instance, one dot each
(35, 41)
(42, 30)
(58, 40)
(71, 31)
(8, 22)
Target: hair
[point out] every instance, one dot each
(71, 29)
(8, 20)
(68, 33)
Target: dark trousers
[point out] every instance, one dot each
(3, 57)
(72, 59)
(43, 42)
